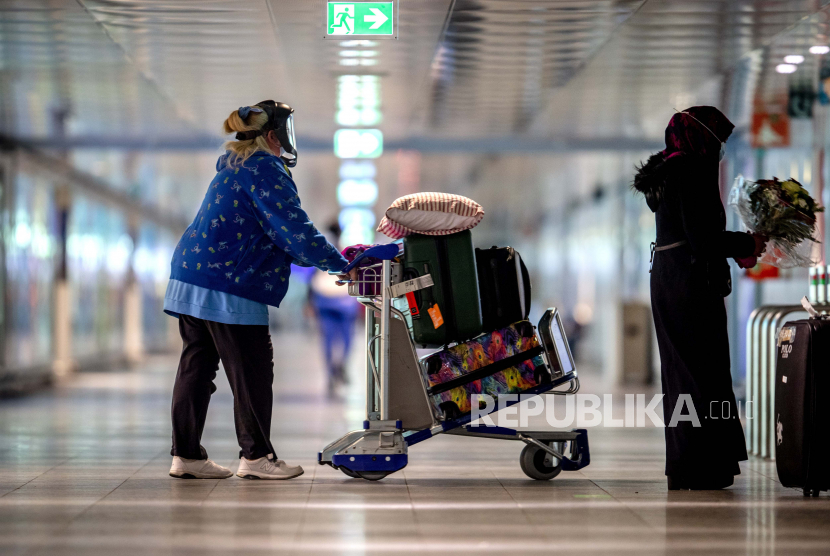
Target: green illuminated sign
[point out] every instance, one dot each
(358, 143)
(360, 18)
(358, 100)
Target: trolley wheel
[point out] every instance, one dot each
(533, 464)
(350, 473)
(372, 475)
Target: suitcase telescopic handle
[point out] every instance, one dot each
(410, 273)
(494, 266)
(426, 272)
(527, 288)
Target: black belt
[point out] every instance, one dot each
(654, 249)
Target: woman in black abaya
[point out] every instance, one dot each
(689, 279)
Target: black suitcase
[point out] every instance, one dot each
(504, 286)
(802, 411)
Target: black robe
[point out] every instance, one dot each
(688, 284)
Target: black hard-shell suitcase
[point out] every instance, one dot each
(802, 410)
(504, 286)
(450, 310)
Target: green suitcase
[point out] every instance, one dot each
(450, 310)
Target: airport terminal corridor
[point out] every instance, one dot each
(600, 223)
(83, 471)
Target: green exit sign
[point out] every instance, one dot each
(361, 19)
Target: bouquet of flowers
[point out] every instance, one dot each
(782, 211)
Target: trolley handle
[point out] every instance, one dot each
(385, 252)
(555, 344)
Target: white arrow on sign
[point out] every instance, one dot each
(379, 18)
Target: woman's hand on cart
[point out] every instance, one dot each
(343, 279)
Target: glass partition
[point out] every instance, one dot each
(30, 242)
(98, 255)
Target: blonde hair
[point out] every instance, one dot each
(240, 151)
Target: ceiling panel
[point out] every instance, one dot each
(670, 54)
(469, 70)
(57, 64)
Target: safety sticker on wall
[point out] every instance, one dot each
(435, 315)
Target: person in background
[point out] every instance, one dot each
(573, 331)
(231, 263)
(336, 312)
(689, 279)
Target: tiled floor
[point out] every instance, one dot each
(83, 470)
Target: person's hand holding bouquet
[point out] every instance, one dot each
(760, 245)
(782, 219)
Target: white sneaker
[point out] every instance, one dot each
(197, 469)
(264, 468)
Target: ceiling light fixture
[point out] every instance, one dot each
(359, 217)
(352, 193)
(352, 44)
(353, 169)
(348, 117)
(819, 49)
(785, 68)
(794, 59)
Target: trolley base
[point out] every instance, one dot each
(372, 453)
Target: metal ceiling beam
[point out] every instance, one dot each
(522, 144)
(497, 144)
(61, 171)
(118, 142)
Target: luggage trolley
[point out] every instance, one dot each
(399, 412)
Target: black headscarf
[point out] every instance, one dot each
(697, 130)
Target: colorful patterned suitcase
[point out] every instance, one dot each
(506, 361)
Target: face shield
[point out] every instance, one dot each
(289, 142)
(281, 121)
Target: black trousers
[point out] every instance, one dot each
(690, 320)
(248, 358)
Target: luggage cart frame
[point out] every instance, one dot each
(381, 448)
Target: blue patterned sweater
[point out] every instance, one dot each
(249, 230)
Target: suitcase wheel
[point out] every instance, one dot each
(814, 492)
(534, 463)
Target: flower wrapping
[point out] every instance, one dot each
(783, 211)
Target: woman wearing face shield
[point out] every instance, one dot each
(231, 263)
(690, 276)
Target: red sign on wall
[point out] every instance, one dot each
(763, 271)
(770, 130)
